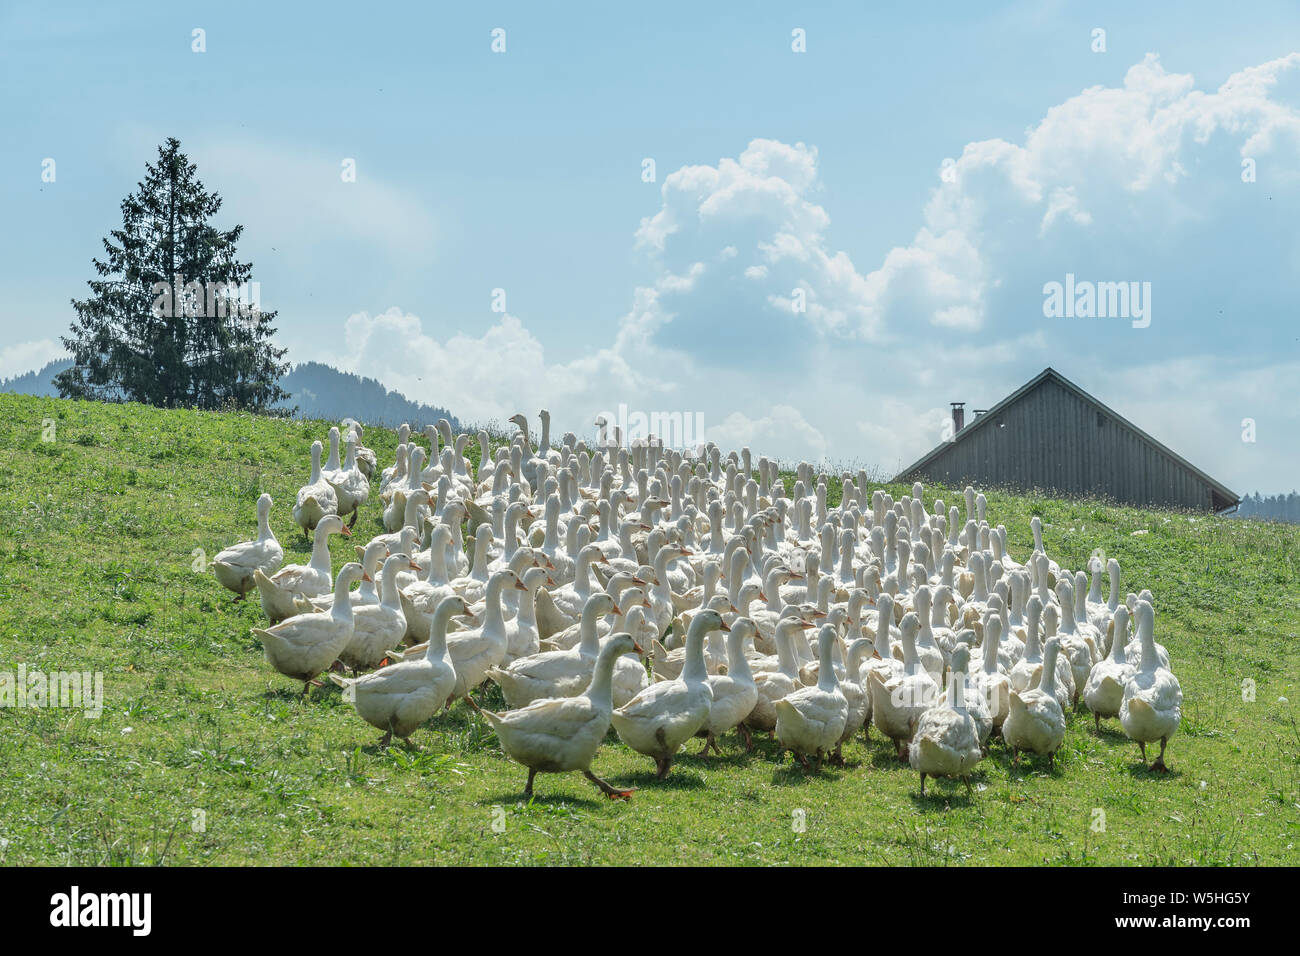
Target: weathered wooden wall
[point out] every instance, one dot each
(1053, 440)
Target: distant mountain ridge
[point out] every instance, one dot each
(318, 391)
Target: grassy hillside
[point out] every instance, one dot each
(97, 547)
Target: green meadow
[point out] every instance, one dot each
(203, 754)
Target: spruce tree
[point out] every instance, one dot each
(165, 324)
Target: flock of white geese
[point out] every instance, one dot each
(671, 597)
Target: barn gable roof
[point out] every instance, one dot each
(911, 472)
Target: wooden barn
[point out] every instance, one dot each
(1052, 435)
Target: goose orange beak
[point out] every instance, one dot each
(347, 532)
(725, 626)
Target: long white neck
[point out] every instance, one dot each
(1119, 640)
(884, 617)
(320, 550)
(737, 663)
(493, 618)
(582, 578)
(264, 532)
(438, 630)
(552, 540)
(826, 679)
(601, 689)
(694, 671)
(1047, 682)
(1033, 649)
(333, 463)
(388, 588)
(480, 571)
(342, 610)
(1150, 659)
(589, 642)
(437, 573)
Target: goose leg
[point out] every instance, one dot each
(387, 739)
(749, 738)
(1096, 720)
(923, 783)
(969, 791)
(612, 792)
(819, 760)
(704, 752)
(662, 763)
(1160, 761)
(528, 788)
(354, 518)
(1143, 745)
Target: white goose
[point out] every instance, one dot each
(776, 684)
(665, 715)
(351, 487)
(316, 499)
(1035, 721)
(476, 650)
(280, 591)
(561, 673)
(735, 695)
(304, 645)
(562, 734)
(377, 628)
(898, 701)
(1104, 693)
(399, 698)
(1151, 709)
(234, 566)
(811, 719)
(947, 739)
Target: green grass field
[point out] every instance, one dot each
(204, 755)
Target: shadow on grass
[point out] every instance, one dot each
(793, 773)
(1029, 765)
(679, 778)
(944, 792)
(1113, 734)
(1141, 771)
(884, 756)
(540, 799)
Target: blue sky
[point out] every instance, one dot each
(775, 171)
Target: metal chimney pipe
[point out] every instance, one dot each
(958, 416)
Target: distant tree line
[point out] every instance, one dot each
(1271, 507)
